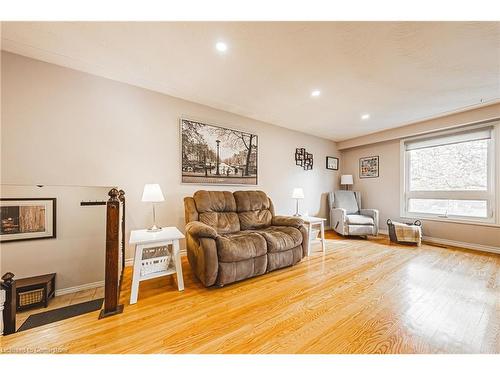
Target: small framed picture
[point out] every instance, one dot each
(332, 163)
(369, 167)
(27, 219)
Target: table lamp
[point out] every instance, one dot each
(297, 194)
(346, 179)
(152, 193)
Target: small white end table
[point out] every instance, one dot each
(310, 221)
(153, 258)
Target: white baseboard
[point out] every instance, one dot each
(73, 289)
(465, 245)
(130, 261)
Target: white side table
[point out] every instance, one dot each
(310, 221)
(153, 257)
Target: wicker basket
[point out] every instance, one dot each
(392, 232)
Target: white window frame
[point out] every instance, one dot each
(491, 195)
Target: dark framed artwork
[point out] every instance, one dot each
(213, 154)
(369, 167)
(304, 159)
(27, 219)
(332, 163)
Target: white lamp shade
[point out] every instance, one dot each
(152, 193)
(298, 193)
(346, 179)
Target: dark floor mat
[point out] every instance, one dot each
(51, 316)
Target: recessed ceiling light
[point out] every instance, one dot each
(315, 93)
(221, 46)
(366, 116)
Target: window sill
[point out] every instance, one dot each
(454, 221)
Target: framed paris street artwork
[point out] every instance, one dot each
(213, 154)
(332, 163)
(369, 167)
(27, 219)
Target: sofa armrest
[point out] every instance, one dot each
(198, 229)
(373, 213)
(202, 257)
(369, 212)
(287, 221)
(338, 220)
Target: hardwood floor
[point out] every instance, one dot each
(361, 297)
(62, 301)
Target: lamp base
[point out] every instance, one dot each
(297, 215)
(154, 228)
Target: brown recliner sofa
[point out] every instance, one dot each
(235, 236)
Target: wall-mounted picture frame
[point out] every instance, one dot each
(304, 159)
(332, 163)
(369, 167)
(24, 219)
(217, 155)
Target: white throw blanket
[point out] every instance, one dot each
(407, 233)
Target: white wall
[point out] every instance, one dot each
(383, 193)
(77, 252)
(449, 121)
(61, 126)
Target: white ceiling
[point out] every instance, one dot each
(399, 72)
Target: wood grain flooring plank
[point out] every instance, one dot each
(362, 296)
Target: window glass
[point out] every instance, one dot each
(452, 167)
(449, 207)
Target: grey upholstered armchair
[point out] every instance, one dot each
(348, 218)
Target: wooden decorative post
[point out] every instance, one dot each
(121, 197)
(9, 306)
(111, 287)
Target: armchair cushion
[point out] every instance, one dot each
(281, 238)
(347, 200)
(287, 221)
(359, 220)
(200, 230)
(240, 246)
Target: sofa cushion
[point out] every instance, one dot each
(254, 209)
(222, 222)
(255, 219)
(359, 220)
(240, 246)
(346, 200)
(214, 201)
(281, 238)
(218, 210)
(284, 258)
(235, 271)
(251, 200)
